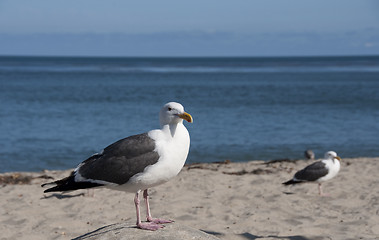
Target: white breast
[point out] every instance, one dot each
(333, 168)
(173, 151)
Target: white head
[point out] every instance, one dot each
(331, 155)
(173, 113)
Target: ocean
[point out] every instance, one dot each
(57, 111)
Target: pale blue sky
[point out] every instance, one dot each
(174, 27)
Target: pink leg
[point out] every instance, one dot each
(147, 226)
(148, 213)
(320, 192)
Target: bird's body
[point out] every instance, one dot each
(319, 171)
(138, 162)
(169, 163)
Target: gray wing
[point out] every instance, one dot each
(121, 160)
(312, 172)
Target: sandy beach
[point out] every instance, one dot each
(228, 200)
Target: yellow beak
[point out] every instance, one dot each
(338, 158)
(186, 116)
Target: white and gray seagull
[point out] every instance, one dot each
(319, 171)
(136, 163)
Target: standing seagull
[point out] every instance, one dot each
(136, 163)
(319, 171)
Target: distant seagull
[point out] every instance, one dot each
(136, 163)
(309, 154)
(319, 171)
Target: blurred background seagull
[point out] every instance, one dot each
(319, 171)
(136, 163)
(309, 154)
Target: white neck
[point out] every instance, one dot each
(172, 128)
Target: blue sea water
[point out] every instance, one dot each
(57, 111)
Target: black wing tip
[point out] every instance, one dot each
(69, 184)
(51, 190)
(72, 187)
(60, 185)
(56, 184)
(291, 182)
(45, 184)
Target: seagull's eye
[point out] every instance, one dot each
(169, 109)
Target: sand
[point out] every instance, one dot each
(229, 200)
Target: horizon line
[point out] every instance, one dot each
(184, 56)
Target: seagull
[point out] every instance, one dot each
(137, 163)
(309, 154)
(319, 171)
